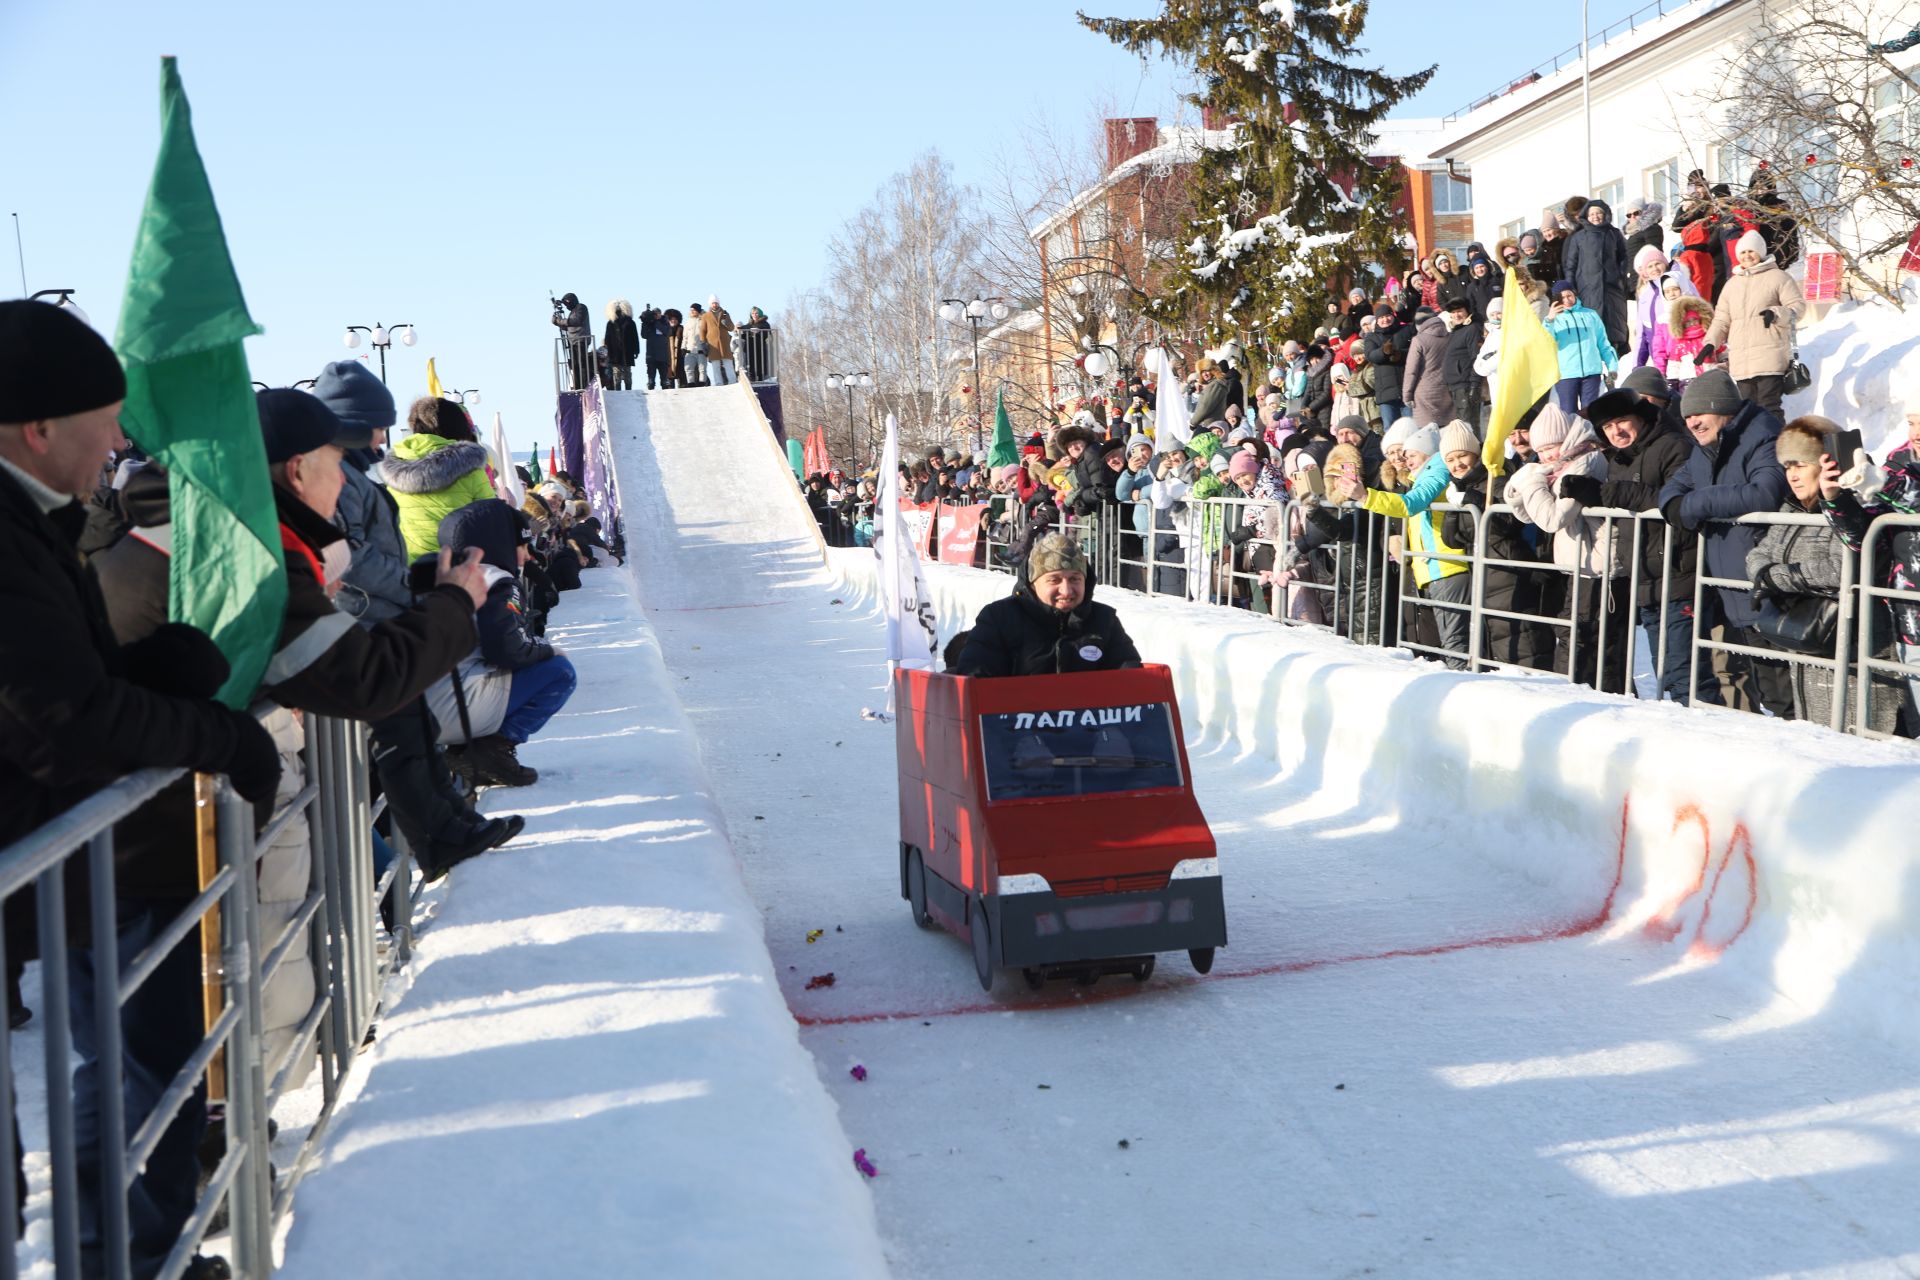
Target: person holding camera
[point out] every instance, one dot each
(571, 318)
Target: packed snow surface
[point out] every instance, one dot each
(1521, 980)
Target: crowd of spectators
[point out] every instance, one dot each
(419, 584)
(700, 347)
(1364, 443)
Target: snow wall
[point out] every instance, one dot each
(1865, 361)
(1782, 852)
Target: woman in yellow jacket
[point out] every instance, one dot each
(435, 471)
(1447, 581)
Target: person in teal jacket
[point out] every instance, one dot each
(1585, 352)
(435, 471)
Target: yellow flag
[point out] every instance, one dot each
(1529, 366)
(435, 390)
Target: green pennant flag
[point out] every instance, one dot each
(190, 407)
(1004, 451)
(533, 463)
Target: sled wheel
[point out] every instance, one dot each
(1036, 978)
(982, 943)
(1087, 976)
(1144, 970)
(1202, 958)
(917, 890)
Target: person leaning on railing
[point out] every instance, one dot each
(1731, 472)
(1440, 579)
(324, 662)
(1797, 571)
(1504, 588)
(78, 709)
(1645, 445)
(1852, 500)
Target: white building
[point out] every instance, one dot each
(1528, 147)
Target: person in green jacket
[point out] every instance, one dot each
(435, 471)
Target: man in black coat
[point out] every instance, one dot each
(77, 709)
(1595, 259)
(1644, 450)
(1386, 349)
(1464, 335)
(1050, 625)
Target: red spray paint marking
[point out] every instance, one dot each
(1590, 923)
(1666, 928)
(712, 608)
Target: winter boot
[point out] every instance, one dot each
(491, 833)
(495, 760)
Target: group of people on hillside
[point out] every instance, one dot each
(702, 347)
(416, 601)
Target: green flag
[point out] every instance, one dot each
(1004, 451)
(797, 459)
(533, 463)
(190, 407)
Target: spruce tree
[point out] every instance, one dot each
(1285, 201)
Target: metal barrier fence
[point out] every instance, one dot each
(1623, 609)
(756, 354)
(233, 1055)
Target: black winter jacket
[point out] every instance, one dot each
(1387, 353)
(496, 529)
(1635, 476)
(1463, 344)
(71, 718)
(1019, 636)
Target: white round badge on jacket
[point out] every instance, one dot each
(1091, 653)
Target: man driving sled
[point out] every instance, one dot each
(1050, 624)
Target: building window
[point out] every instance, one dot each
(1451, 195)
(1732, 164)
(1612, 193)
(1512, 230)
(1663, 183)
(1896, 117)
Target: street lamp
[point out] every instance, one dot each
(381, 336)
(835, 381)
(953, 310)
(469, 396)
(62, 298)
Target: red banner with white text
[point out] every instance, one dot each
(959, 533)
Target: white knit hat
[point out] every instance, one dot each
(1397, 433)
(1459, 438)
(1752, 240)
(1424, 441)
(1650, 253)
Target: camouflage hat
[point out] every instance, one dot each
(1055, 553)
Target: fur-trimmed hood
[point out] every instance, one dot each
(1446, 256)
(619, 307)
(1687, 309)
(427, 464)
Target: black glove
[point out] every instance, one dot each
(177, 660)
(254, 767)
(1584, 490)
(1241, 535)
(1670, 512)
(1767, 317)
(1705, 354)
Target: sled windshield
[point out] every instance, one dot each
(1033, 755)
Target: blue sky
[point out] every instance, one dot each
(447, 164)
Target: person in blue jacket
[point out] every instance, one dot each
(1733, 471)
(1585, 350)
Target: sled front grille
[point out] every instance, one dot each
(1146, 882)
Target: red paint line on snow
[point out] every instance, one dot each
(1559, 933)
(711, 608)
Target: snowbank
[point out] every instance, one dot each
(1865, 361)
(1783, 852)
(592, 1072)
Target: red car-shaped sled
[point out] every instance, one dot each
(1050, 821)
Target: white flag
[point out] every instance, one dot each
(912, 639)
(1170, 407)
(506, 478)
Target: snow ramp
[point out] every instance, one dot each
(712, 511)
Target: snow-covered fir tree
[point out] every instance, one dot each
(1286, 202)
